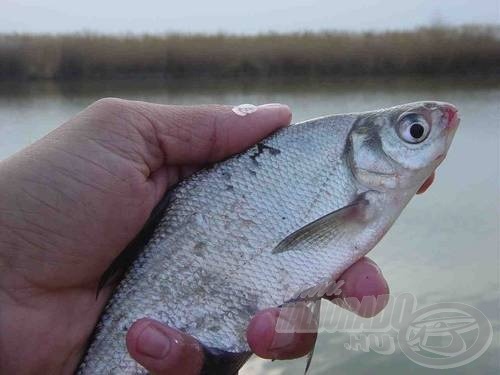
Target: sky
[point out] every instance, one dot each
(240, 17)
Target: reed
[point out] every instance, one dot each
(425, 51)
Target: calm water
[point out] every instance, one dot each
(444, 247)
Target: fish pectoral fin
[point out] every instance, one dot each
(328, 227)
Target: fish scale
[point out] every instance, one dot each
(257, 229)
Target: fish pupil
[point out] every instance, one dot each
(417, 130)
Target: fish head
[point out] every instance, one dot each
(400, 147)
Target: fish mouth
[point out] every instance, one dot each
(452, 117)
(427, 183)
(440, 157)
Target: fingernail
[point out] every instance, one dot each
(153, 343)
(246, 109)
(264, 324)
(372, 296)
(368, 283)
(373, 264)
(284, 334)
(272, 105)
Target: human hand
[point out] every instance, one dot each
(71, 202)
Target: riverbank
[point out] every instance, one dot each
(438, 51)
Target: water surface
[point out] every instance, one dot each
(444, 247)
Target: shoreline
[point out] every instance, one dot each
(428, 52)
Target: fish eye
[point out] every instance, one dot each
(413, 128)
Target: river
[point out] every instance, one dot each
(444, 247)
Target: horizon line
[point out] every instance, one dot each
(326, 31)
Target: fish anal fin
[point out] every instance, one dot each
(315, 307)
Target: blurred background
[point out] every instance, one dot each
(319, 57)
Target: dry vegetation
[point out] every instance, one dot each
(426, 51)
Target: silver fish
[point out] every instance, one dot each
(265, 225)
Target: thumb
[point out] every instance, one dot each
(163, 350)
(192, 135)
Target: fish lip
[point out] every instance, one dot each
(440, 157)
(453, 117)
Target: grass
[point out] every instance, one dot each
(435, 51)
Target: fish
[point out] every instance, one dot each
(262, 227)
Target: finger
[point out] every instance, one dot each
(427, 183)
(163, 350)
(286, 333)
(364, 289)
(193, 135)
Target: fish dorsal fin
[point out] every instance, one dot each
(326, 228)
